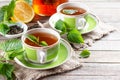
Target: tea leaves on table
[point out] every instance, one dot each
(75, 36)
(11, 45)
(60, 25)
(85, 54)
(6, 69)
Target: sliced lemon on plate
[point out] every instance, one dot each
(23, 12)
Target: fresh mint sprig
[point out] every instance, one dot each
(35, 40)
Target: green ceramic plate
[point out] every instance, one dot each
(64, 54)
(92, 22)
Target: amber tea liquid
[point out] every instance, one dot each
(46, 7)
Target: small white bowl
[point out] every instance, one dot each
(22, 25)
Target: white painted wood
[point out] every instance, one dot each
(102, 57)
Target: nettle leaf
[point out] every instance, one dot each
(75, 36)
(2, 12)
(6, 69)
(69, 11)
(11, 45)
(85, 53)
(10, 9)
(43, 43)
(4, 28)
(60, 25)
(35, 40)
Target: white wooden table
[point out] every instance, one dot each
(104, 62)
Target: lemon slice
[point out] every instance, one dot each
(23, 12)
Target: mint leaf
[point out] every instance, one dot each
(85, 53)
(75, 36)
(2, 12)
(60, 25)
(11, 45)
(36, 40)
(69, 11)
(10, 9)
(43, 43)
(4, 28)
(6, 69)
(12, 54)
(33, 39)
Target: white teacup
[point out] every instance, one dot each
(73, 20)
(41, 54)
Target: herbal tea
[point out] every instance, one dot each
(48, 38)
(46, 7)
(72, 11)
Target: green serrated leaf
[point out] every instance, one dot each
(33, 39)
(85, 53)
(75, 36)
(60, 25)
(11, 45)
(10, 9)
(2, 12)
(43, 43)
(4, 28)
(6, 69)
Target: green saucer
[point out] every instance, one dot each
(64, 54)
(92, 22)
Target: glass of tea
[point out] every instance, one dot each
(36, 52)
(46, 7)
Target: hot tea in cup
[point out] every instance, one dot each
(41, 45)
(73, 13)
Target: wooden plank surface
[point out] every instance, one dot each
(104, 62)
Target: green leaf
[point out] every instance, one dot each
(43, 43)
(6, 69)
(75, 36)
(36, 40)
(69, 11)
(4, 28)
(2, 12)
(12, 54)
(10, 9)
(11, 45)
(33, 39)
(60, 25)
(85, 53)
